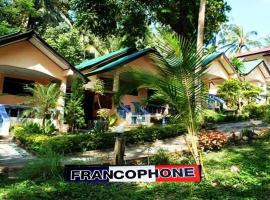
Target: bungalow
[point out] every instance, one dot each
(256, 70)
(109, 68)
(26, 58)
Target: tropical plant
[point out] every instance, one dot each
(74, 112)
(179, 67)
(43, 102)
(236, 92)
(233, 39)
(237, 63)
(98, 89)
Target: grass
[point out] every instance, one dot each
(252, 182)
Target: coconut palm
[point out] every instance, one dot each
(267, 41)
(43, 102)
(179, 66)
(201, 22)
(233, 39)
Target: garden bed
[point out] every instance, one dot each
(78, 142)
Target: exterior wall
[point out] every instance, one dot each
(25, 55)
(128, 99)
(216, 70)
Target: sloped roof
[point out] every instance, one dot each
(28, 35)
(211, 57)
(121, 61)
(253, 52)
(87, 64)
(249, 66)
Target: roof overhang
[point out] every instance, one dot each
(122, 61)
(42, 45)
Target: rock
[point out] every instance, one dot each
(245, 138)
(235, 169)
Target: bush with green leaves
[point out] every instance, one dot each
(70, 143)
(212, 116)
(255, 111)
(162, 157)
(74, 112)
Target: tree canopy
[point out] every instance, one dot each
(132, 19)
(95, 24)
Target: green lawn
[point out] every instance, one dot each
(253, 181)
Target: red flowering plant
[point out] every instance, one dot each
(212, 140)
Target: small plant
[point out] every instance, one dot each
(47, 167)
(162, 157)
(48, 127)
(212, 140)
(32, 128)
(249, 134)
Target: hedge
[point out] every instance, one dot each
(70, 143)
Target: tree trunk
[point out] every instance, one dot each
(119, 151)
(201, 21)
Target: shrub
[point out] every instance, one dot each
(255, 111)
(212, 116)
(32, 127)
(212, 140)
(267, 115)
(162, 157)
(69, 143)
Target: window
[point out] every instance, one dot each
(16, 86)
(133, 92)
(108, 84)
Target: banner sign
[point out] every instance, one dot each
(149, 173)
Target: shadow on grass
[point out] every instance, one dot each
(252, 182)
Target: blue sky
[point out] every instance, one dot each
(252, 15)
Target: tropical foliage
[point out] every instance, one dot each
(179, 66)
(43, 102)
(66, 41)
(74, 112)
(236, 92)
(233, 39)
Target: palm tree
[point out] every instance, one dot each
(43, 102)
(267, 41)
(177, 62)
(201, 21)
(235, 40)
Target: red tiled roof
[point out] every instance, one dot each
(249, 53)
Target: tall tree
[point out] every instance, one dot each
(233, 39)
(201, 21)
(14, 15)
(66, 41)
(131, 19)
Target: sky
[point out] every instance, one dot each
(252, 15)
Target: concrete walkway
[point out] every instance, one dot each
(238, 126)
(176, 144)
(11, 155)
